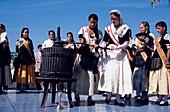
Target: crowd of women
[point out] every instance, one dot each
(117, 66)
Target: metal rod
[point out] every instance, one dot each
(65, 42)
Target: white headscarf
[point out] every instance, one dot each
(118, 12)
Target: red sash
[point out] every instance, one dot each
(109, 31)
(113, 37)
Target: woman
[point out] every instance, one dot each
(5, 59)
(159, 79)
(70, 37)
(49, 43)
(24, 74)
(70, 40)
(117, 76)
(86, 71)
(144, 47)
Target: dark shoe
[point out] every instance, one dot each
(127, 97)
(90, 101)
(120, 104)
(71, 104)
(142, 101)
(77, 98)
(163, 104)
(138, 101)
(107, 101)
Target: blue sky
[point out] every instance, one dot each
(40, 16)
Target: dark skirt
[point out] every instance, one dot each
(156, 64)
(88, 60)
(5, 75)
(89, 63)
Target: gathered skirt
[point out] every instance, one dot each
(5, 75)
(159, 81)
(24, 74)
(141, 78)
(117, 76)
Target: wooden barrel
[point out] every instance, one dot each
(57, 62)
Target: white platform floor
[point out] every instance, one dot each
(30, 102)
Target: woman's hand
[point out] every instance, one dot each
(89, 44)
(103, 44)
(112, 48)
(95, 45)
(142, 43)
(78, 46)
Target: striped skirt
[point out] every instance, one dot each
(25, 74)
